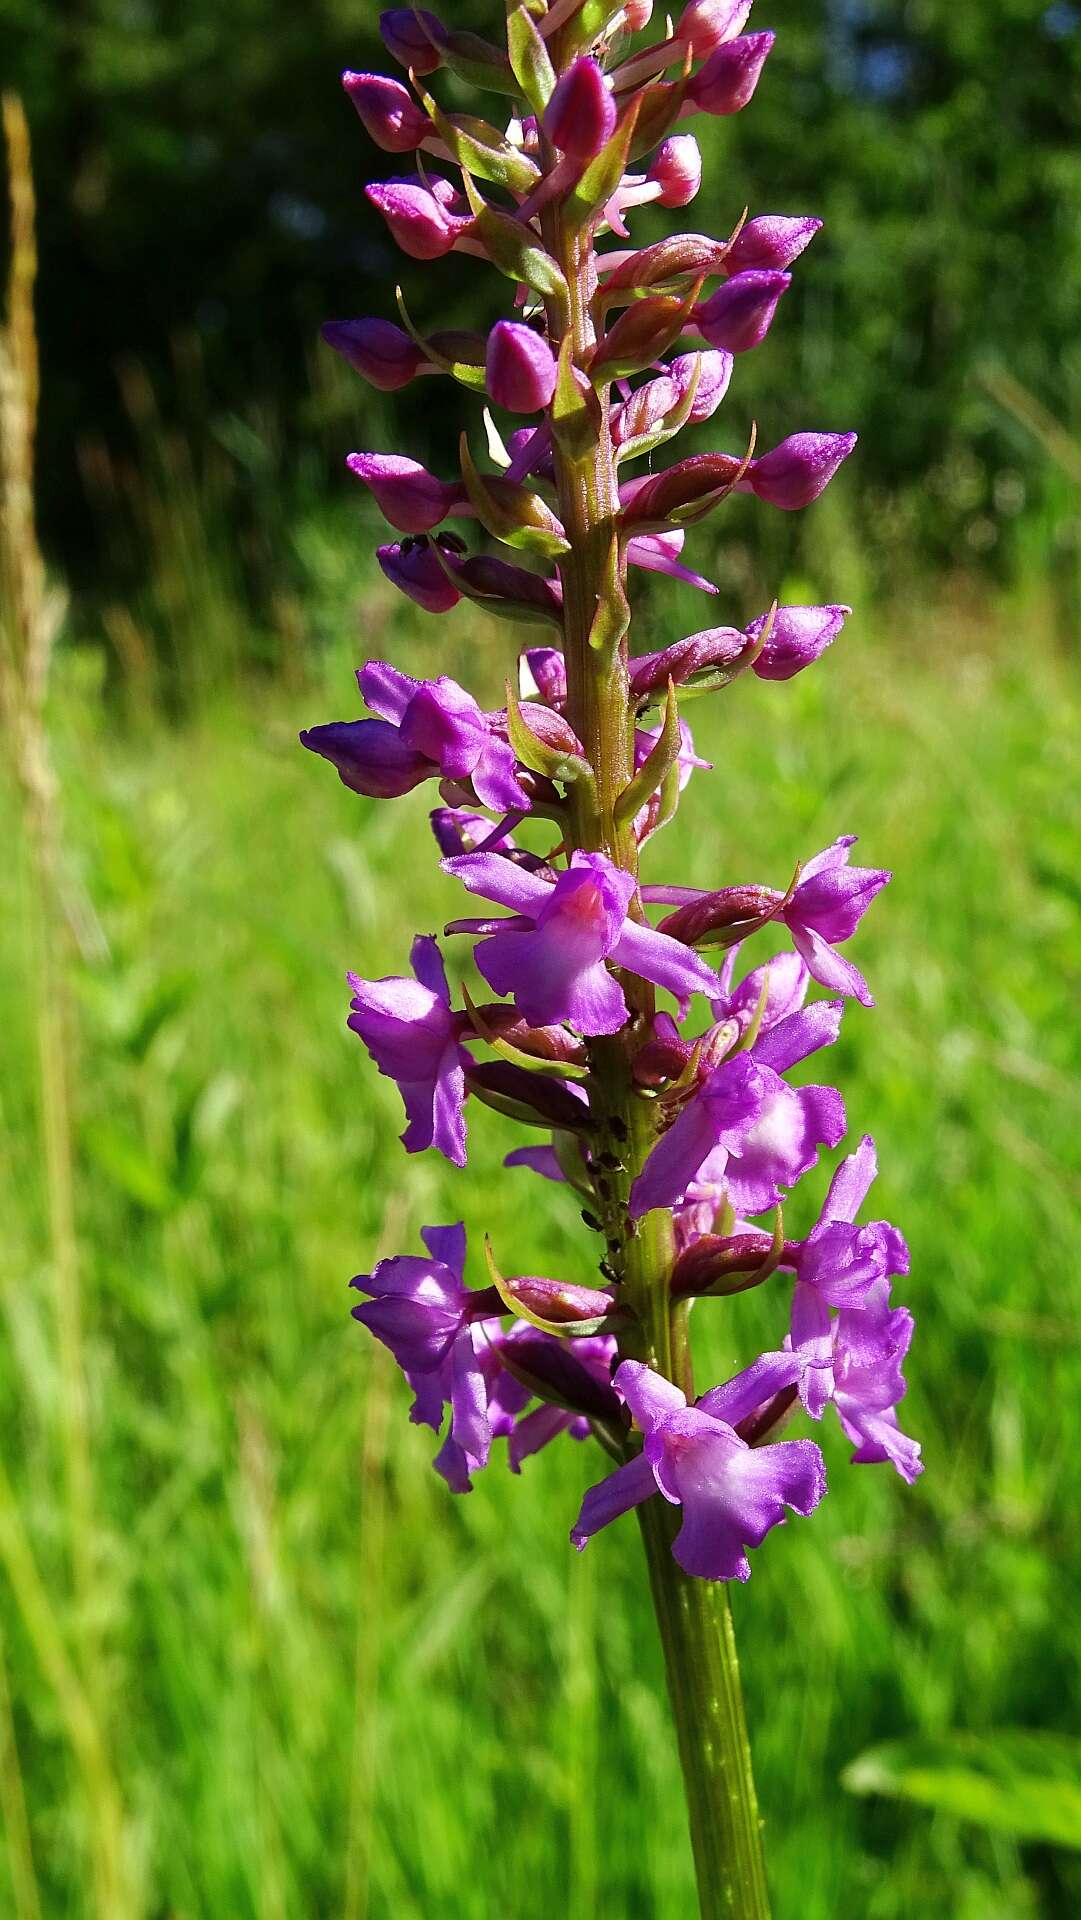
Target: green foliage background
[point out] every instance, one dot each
(328, 1689)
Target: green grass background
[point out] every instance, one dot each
(331, 1689)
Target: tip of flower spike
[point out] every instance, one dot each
(581, 114)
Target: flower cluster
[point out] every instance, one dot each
(677, 1126)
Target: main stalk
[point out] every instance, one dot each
(693, 1616)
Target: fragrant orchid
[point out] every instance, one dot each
(676, 1127)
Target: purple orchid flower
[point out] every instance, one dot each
(745, 1125)
(552, 956)
(438, 1331)
(412, 1035)
(838, 1265)
(827, 905)
(731, 1494)
(869, 1346)
(441, 720)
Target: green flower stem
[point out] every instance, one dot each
(695, 1623)
(692, 1615)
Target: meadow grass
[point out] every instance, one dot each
(331, 1689)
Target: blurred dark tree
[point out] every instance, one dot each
(200, 176)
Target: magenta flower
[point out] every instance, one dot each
(379, 350)
(423, 220)
(676, 169)
(390, 114)
(435, 1328)
(728, 80)
(838, 1265)
(796, 472)
(412, 1035)
(441, 720)
(746, 1126)
(731, 1494)
(783, 981)
(407, 495)
(823, 909)
(770, 242)
(826, 907)
(739, 315)
(520, 371)
(869, 1346)
(796, 637)
(707, 24)
(552, 957)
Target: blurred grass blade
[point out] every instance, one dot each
(1025, 1784)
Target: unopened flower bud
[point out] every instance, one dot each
(738, 316)
(413, 38)
(379, 350)
(676, 169)
(714, 374)
(423, 226)
(511, 588)
(520, 370)
(407, 495)
(638, 14)
(728, 910)
(581, 114)
(797, 636)
(412, 567)
(707, 24)
(658, 495)
(390, 114)
(545, 668)
(371, 757)
(557, 1300)
(798, 470)
(730, 75)
(713, 647)
(771, 241)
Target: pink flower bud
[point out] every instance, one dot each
(707, 24)
(413, 38)
(558, 1299)
(638, 14)
(773, 240)
(421, 224)
(730, 76)
(379, 350)
(677, 169)
(581, 114)
(407, 495)
(714, 376)
(412, 567)
(738, 316)
(657, 495)
(390, 114)
(520, 370)
(796, 637)
(797, 471)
